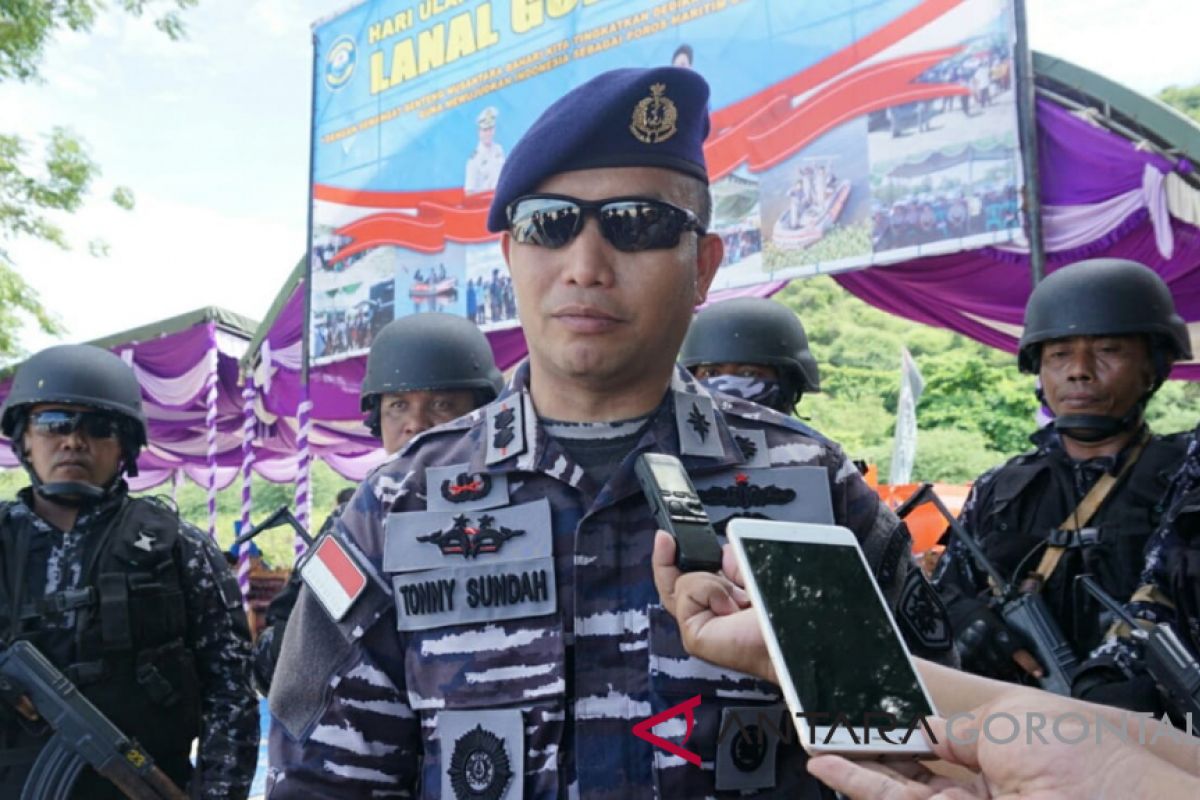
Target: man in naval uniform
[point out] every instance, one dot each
(495, 632)
(484, 165)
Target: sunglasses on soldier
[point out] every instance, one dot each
(630, 224)
(60, 422)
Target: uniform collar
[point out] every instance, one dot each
(687, 423)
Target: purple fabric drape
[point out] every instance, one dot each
(983, 292)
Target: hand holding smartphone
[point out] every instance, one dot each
(845, 672)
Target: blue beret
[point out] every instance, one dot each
(622, 118)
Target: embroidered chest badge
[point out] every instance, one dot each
(466, 487)
(471, 541)
(744, 494)
(479, 766)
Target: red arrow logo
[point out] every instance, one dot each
(687, 708)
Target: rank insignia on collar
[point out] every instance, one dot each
(145, 541)
(504, 429)
(754, 447)
(696, 424)
(654, 117)
(468, 541)
(466, 487)
(749, 448)
(505, 433)
(699, 422)
(744, 494)
(479, 766)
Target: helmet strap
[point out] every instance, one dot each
(1092, 428)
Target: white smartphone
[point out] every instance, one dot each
(846, 674)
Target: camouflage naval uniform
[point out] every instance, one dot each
(216, 645)
(1012, 509)
(527, 682)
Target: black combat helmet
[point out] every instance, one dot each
(430, 351)
(1104, 297)
(754, 330)
(78, 374)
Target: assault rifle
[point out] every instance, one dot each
(1167, 659)
(281, 516)
(1023, 611)
(82, 734)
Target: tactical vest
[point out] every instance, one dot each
(1032, 496)
(127, 651)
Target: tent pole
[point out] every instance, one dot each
(304, 411)
(248, 427)
(1027, 131)
(210, 428)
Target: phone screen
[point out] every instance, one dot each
(841, 650)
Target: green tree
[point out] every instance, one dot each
(30, 193)
(1184, 98)
(977, 410)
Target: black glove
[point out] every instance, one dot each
(1110, 686)
(986, 645)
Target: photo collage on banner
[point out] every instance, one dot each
(844, 136)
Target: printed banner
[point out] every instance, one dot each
(845, 134)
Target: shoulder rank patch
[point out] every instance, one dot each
(697, 425)
(482, 754)
(922, 614)
(333, 577)
(505, 429)
(456, 488)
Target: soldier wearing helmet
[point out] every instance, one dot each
(135, 606)
(1101, 336)
(422, 370)
(753, 348)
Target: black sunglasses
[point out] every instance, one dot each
(59, 422)
(630, 224)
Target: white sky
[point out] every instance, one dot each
(212, 136)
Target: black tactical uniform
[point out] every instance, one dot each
(753, 330)
(135, 606)
(432, 351)
(1020, 509)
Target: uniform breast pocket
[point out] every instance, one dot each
(491, 701)
(740, 727)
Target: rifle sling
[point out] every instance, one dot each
(1080, 517)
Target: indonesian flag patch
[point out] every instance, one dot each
(333, 577)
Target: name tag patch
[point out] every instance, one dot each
(471, 594)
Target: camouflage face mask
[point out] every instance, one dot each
(756, 390)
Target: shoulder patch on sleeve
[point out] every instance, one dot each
(922, 615)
